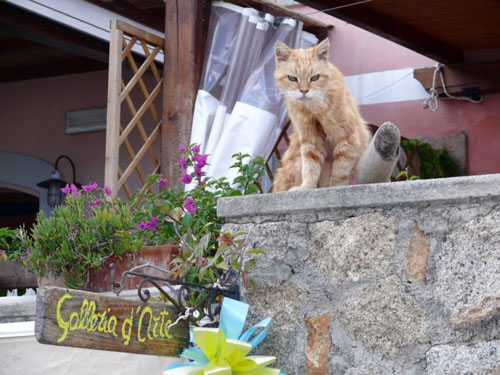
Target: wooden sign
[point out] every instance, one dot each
(90, 320)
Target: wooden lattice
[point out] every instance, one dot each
(133, 126)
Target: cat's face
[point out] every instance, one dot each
(303, 74)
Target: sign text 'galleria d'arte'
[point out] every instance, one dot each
(89, 320)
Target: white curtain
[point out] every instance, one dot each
(238, 107)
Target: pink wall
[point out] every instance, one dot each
(356, 51)
(32, 118)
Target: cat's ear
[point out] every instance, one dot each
(281, 51)
(322, 50)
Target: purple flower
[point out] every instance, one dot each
(2, 251)
(66, 189)
(28, 251)
(186, 178)
(88, 188)
(107, 190)
(200, 160)
(182, 148)
(198, 171)
(183, 162)
(96, 203)
(161, 181)
(74, 190)
(196, 149)
(189, 205)
(152, 224)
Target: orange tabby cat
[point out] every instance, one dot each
(330, 135)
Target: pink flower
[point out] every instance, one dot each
(196, 149)
(66, 189)
(74, 190)
(152, 224)
(189, 205)
(183, 162)
(107, 191)
(2, 251)
(182, 148)
(88, 188)
(200, 160)
(161, 181)
(186, 178)
(198, 171)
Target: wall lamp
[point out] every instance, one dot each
(55, 183)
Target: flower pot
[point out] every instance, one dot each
(100, 279)
(51, 278)
(13, 275)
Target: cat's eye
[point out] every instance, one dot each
(314, 78)
(292, 78)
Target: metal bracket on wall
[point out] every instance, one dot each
(180, 293)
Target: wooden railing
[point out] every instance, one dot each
(129, 83)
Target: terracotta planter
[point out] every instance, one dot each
(13, 275)
(51, 278)
(100, 278)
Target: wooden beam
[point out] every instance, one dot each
(113, 113)
(26, 25)
(312, 25)
(464, 78)
(390, 28)
(90, 320)
(185, 35)
(13, 275)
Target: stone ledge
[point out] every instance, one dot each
(372, 195)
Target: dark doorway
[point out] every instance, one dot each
(17, 208)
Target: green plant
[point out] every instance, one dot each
(81, 234)
(11, 248)
(432, 163)
(404, 175)
(189, 218)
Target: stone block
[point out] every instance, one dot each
(482, 358)
(282, 303)
(318, 344)
(417, 256)
(357, 248)
(385, 317)
(468, 280)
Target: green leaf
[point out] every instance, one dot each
(255, 251)
(252, 189)
(187, 219)
(250, 264)
(236, 265)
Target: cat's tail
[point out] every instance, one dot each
(381, 156)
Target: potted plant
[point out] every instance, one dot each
(13, 275)
(93, 229)
(189, 218)
(206, 257)
(79, 236)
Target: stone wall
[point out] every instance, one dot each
(400, 278)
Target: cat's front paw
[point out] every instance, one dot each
(300, 188)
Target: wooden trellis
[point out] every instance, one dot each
(139, 133)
